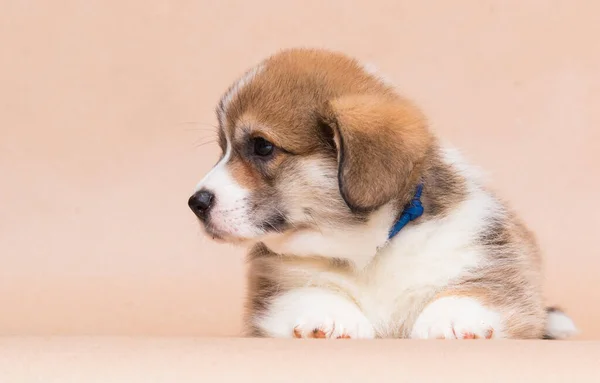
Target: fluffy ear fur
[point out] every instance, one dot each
(381, 143)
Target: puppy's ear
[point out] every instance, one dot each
(381, 143)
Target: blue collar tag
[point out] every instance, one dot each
(412, 211)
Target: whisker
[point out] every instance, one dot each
(273, 227)
(212, 130)
(283, 215)
(211, 137)
(197, 123)
(205, 143)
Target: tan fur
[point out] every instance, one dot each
(244, 174)
(512, 280)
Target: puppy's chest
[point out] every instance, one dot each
(403, 278)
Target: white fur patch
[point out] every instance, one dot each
(372, 69)
(310, 309)
(560, 326)
(457, 318)
(453, 156)
(358, 245)
(425, 258)
(229, 215)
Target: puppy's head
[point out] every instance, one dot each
(309, 139)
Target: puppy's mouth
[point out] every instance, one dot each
(214, 234)
(275, 224)
(219, 235)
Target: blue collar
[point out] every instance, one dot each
(412, 211)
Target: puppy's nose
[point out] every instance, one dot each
(201, 202)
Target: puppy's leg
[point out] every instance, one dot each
(314, 313)
(458, 317)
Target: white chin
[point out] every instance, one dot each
(235, 241)
(231, 238)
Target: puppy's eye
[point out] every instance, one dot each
(262, 147)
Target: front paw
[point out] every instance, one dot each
(314, 313)
(457, 318)
(330, 328)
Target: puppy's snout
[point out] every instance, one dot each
(201, 202)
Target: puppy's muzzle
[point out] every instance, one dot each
(201, 203)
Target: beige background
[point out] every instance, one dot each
(104, 107)
(181, 360)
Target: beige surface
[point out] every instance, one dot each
(110, 360)
(103, 106)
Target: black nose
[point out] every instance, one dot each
(201, 202)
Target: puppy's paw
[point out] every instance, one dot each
(457, 318)
(314, 313)
(351, 327)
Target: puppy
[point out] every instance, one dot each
(360, 223)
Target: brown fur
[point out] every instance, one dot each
(331, 96)
(368, 128)
(244, 174)
(333, 100)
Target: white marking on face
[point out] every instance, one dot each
(235, 89)
(229, 215)
(218, 167)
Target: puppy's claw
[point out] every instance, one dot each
(318, 334)
(297, 333)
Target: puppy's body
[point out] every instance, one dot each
(472, 251)
(343, 156)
